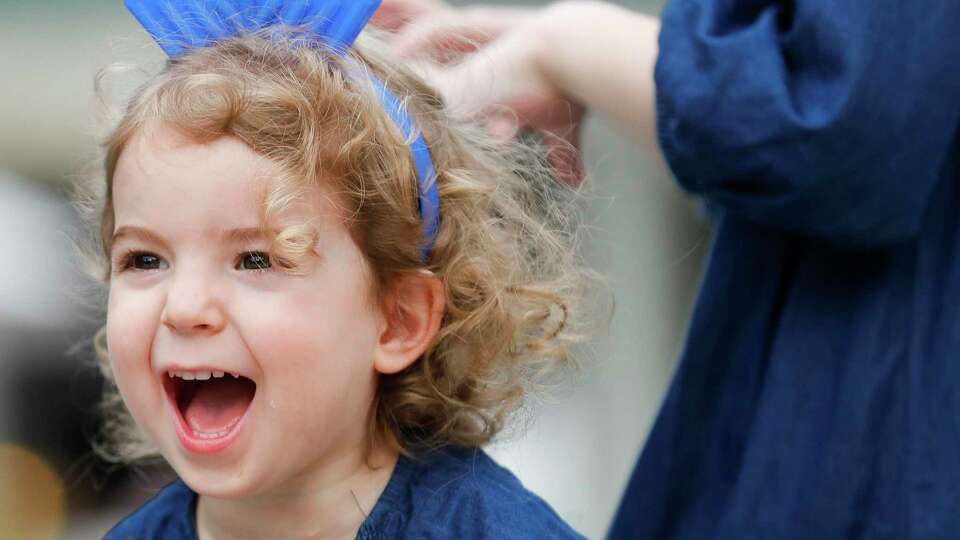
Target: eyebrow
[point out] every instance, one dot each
(233, 236)
(246, 234)
(129, 231)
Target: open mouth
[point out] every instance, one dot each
(210, 404)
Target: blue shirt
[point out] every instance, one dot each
(454, 493)
(818, 394)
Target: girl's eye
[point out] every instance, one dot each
(253, 260)
(142, 260)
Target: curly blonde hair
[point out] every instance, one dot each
(505, 249)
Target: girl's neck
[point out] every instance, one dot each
(328, 506)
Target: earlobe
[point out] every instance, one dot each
(413, 311)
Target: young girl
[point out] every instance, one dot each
(316, 347)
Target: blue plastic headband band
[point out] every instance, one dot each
(177, 25)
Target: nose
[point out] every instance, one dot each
(192, 306)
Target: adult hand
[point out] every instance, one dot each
(498, 77)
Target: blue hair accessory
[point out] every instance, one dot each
(178, 25)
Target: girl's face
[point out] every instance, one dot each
(192, 296)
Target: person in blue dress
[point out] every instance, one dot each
(818, 394)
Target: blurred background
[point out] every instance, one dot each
(580, 445)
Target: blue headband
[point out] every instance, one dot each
(177, 25)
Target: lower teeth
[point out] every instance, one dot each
(215, 434)
(211, 434)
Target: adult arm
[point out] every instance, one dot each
(533, 61)
(827, 118)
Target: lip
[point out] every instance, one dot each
(203, 445)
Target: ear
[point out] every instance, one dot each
(413, 311)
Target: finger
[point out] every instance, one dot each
(393, 15)
(563, 155)
(502, 127)
(440, 37)
(559, 123)
(448, 34)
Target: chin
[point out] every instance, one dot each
(220, 484)
(227, 476)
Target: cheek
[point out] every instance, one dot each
(131, 326)
(316, 351)
(307, 326)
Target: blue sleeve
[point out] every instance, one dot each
(828, 118)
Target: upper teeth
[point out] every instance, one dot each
(197, 375)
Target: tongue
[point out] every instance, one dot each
(217, 404)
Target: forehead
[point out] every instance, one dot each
(161, 170)
(164, 178)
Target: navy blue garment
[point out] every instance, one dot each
(455, 493)
(818, 395)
